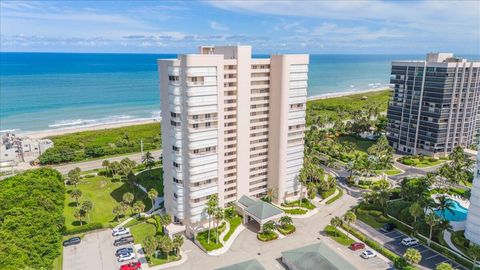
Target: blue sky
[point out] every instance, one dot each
(343, 27)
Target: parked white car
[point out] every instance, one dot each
(367, 254)
(409, 241)
(126, 257)
(120, 231)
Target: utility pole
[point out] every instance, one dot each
(141, 148)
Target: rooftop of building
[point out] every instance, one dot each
(246, 265)
(317, 256)
(439, 58)
(259, 209)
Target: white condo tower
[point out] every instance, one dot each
(472, 231)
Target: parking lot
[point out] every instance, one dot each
(391, 240)
(96, 251)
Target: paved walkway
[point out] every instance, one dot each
(247, 246)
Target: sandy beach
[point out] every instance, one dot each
(54, 132)
(61, 131)
(348, 93)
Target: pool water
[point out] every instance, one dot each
(459, 212)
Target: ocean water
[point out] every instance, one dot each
(41, 91)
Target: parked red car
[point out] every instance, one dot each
(357, 246)
(131, 266)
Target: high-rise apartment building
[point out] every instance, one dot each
(435, 106)
(472, 230)
(232, 125)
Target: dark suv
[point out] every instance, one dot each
(72, 241)
(388, 227)
(123, 241)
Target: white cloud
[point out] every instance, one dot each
(218, 26)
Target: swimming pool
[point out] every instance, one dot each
(459, 212)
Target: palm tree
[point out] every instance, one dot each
(149, 162)
(474, 252)
(149, 245)
(445, 204)
(87, 206)
(177, 243)
(165, 220)
(271, 195)
(336, 222)
(76, 194)
(152, 194)
(132, 180)
(268, 227)
(349, 217)
(118, 211)
(432, 220)
(218, 216)
(106, 166)
(412, 256)
(79, 214)
(415, 210)
(303, 178)
(285, 221)
(138, 207)
(165, 244)
(210, 209)
(128, 198)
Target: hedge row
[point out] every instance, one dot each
(85, 228)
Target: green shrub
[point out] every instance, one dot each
(265, 237)
(305, 204)
(31, 219)
(295, 211)
(286, 230)
(84, 228)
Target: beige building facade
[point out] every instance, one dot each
(232, 125)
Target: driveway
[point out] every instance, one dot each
(391, 240)
(246, 246)
(96, 251)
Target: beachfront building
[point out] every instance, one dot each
(15, 149)
(232, 125)
(435, 104)
(472, 231)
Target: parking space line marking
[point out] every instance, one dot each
(432, 257)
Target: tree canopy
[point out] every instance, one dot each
(31, 221)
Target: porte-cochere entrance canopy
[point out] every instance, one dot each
(258, 210)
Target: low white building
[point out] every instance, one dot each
(472, 231)
(15, 149)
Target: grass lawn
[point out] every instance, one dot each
(152, 179)
(202, 237)
(370, 220)
(162, 259)
(338, 236)
(234, 223)
(362, 144)
(141, 231)
(393, 171)
(336, 197)
(305, 204)
(263, 236)
(105, 194)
